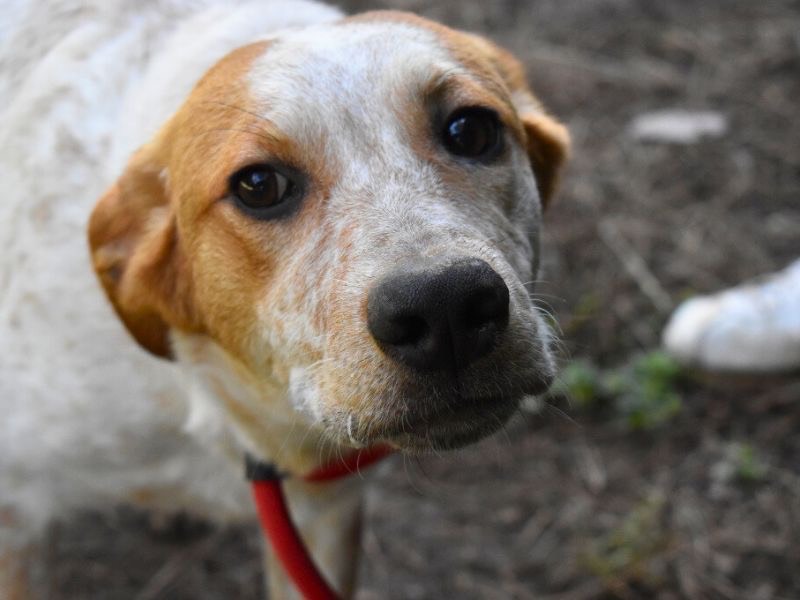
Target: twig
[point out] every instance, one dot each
(636, 267)
(163, 578)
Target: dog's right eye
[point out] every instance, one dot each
(262, 190)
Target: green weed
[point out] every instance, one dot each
(643, 392)
(628, 553)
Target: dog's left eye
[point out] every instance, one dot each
(261, 189)
(473, 133)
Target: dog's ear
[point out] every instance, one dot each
(547, 140)
(137, 254)
(548, 149)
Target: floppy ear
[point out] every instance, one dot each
(137, 254)
(548, 149)
(547, 140)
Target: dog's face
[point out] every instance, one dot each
(351, 212)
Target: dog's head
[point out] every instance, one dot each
(351, 212)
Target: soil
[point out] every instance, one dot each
(566, 503)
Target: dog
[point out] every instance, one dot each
(314, 233)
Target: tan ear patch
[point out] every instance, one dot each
(548, 146)
(137, 256)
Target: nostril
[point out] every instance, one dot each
(392, 318)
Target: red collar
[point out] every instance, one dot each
(273, 513)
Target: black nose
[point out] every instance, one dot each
(439, 319)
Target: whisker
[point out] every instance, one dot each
(560, 413)
(408, 475)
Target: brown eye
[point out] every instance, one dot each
(263, 191)
(473, 133)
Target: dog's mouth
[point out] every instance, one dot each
(443, 426)
(452, 429)
(438, 412)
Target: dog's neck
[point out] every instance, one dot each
(237, 412)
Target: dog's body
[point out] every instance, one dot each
(269, 317)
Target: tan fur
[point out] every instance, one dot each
(17, 577)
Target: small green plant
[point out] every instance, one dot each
(581, 382)
(643, 391)
(627, 553)
(647, 395)
(749, 466)
(585, 309)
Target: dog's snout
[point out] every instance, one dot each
(439, 319)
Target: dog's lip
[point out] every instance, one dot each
(475, 413)
(453, 429)
(450, 416)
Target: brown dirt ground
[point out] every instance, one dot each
(574, 505)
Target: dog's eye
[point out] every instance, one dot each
(473, 133)
(260, 188)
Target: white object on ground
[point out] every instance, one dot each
(752, 328)
(678, 126)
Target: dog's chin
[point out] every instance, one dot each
(447, 429)
(432, 415)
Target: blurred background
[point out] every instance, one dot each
(635, 479)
